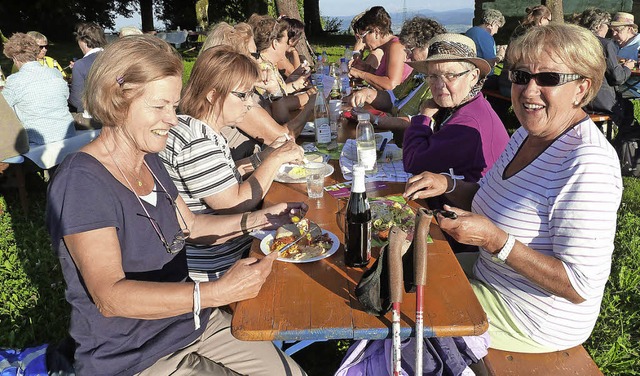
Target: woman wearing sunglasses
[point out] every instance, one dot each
(374, 29)
(544, 216)
(119, 227)
(218, 95)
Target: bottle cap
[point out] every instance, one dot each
(363, 116)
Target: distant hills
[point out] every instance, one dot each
(458, 20)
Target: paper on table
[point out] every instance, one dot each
(387, 171)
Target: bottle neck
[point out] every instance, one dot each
(358, 183)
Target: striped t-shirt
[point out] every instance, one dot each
(199, 163)
(562, 204)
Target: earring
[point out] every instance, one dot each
(577, 102)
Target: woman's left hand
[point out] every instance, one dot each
(429, 108)
(473, 229)
(282, 213)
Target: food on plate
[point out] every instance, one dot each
(297, 172)
(387, 213)
(314, 243)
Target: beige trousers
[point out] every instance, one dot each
(217, 352)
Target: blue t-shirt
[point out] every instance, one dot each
(485, 44)
(84, 196)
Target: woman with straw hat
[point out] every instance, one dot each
(457, 122)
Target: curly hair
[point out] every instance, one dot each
(91, 34)
(266, 29)
(593, 19)
(374, 17)
(237, 36)
(574, 46)
(534, 15)
(493, 17)
(120, 74)
(22, 48)
(417, 31)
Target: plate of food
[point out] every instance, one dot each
(315, 244)
(294, 173)
(387, 213)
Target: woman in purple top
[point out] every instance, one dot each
(374, 29)
(457, 129)
(119, 227)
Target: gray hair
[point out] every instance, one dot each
(493, 17)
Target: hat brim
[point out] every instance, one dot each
(617, 23)
(480, 63)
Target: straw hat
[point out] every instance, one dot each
(622, 19)
(452, 47)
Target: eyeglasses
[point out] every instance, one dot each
(363, 34)
(447, 77)
(44, 46)
(255, 55)
(243, 96)
(408, 51)
(520, 77)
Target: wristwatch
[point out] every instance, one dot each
(501, 256)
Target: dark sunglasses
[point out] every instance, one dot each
(256, 55)
(45, 46)
(520, 77)
(243, 96)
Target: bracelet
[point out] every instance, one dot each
(506, 249)
(196, 305)
(453, 177)
(243, 223)
(255, 160)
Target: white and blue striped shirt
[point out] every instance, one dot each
(563, 204)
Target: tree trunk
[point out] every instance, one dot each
(312, 23)
(556, 8)
(289, 8)
(146, 15)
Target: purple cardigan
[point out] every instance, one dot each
(470, 141)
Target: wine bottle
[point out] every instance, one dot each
(358, 223)
(321, 118)
(366, 144)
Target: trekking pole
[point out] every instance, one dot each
(421, 234)
(396, 240)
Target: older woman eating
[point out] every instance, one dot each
(457, 129)
(544, 216)
(119, 228)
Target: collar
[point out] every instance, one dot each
(93, 51)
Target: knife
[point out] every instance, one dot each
(293, 243)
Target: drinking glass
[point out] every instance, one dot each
(315, 179)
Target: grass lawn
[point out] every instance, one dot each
(34, 310)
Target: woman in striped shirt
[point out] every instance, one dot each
(544, 216)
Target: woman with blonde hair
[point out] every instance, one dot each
(43, 59)
(119, 227)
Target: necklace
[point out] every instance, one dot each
(138, 180)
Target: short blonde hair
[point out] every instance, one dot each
(219, 69)
(21, 47)
(237, 36)
(38, 36)
(129, 30)
(121, 72)
(574, 46)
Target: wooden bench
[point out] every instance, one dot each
(571, 362)
(603, 121)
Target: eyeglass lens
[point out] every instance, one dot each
(520, 77)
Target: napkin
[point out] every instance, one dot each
(387, 171)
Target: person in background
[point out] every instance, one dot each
(373, 58)
(404, 100)
(118, 226)
(37, 94)
(544, 216)
(482, 36)
(291, 65)
(608, 100)
(129, 30)
(218, 95)
(538, 15)
(44, 60)
(91, 40)
(456, 129)
(374, 29)
(624, 32)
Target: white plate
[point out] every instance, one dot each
(283, 173)
(265, 247)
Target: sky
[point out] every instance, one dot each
(353, 7)
(346, 8)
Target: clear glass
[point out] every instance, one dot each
(314, 172)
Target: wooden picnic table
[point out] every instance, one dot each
(316, 301)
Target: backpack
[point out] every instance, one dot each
(627, 148)
(31, 361)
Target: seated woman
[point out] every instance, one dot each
(405, 100)
(43, 59)
(608, 100)
(372, 58)
(37, 94)
(544, 260)
(457, 122)
(118, 226)
(199, 161)
(272, 41)
(257, 128)
(374, 28)
(291, 67)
